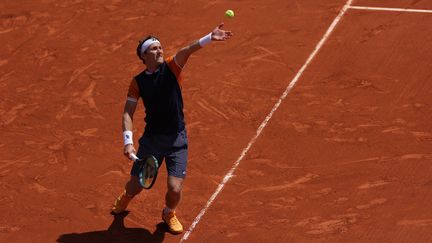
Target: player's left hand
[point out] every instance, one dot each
(218, 34)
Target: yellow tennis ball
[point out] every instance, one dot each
(229, 13)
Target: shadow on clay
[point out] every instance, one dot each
(117, 232)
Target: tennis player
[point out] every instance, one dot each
(159, 86)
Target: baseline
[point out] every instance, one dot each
(391, 9)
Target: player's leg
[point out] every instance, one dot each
(174, 192)
(132, 188)
(172, 199)
(176, 164)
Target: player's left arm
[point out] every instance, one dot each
(218, 34)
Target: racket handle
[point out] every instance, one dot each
(133, 157)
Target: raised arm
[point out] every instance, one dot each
(218, 34)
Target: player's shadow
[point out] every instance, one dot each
(117, 232)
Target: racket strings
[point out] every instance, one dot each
(149, 171)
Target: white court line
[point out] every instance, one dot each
(392, 9)
(264, 123)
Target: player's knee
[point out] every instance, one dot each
(175, 188)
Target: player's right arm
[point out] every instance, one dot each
(127, 119)
(128, 113)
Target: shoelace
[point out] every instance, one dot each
(174, 219)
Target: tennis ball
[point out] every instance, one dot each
(229, 13)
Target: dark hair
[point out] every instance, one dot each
(138, 49)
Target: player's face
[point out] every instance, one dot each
(154, 55)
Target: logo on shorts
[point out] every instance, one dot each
(184, 172)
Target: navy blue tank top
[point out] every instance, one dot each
(163, 102)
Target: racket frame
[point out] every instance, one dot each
(142, 162)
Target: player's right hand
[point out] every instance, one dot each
(128, 150)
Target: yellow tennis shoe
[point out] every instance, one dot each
(121, 203)
(173, 223)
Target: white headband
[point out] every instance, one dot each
(148, 43)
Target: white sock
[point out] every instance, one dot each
(167, 210)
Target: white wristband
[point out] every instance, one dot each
(205, 40)
(127, 137)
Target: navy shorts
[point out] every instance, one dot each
(171, 148)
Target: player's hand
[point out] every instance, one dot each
(128, 150)
(218, 34)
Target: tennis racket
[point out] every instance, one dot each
(148, 170)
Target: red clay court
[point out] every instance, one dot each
(312, 124)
